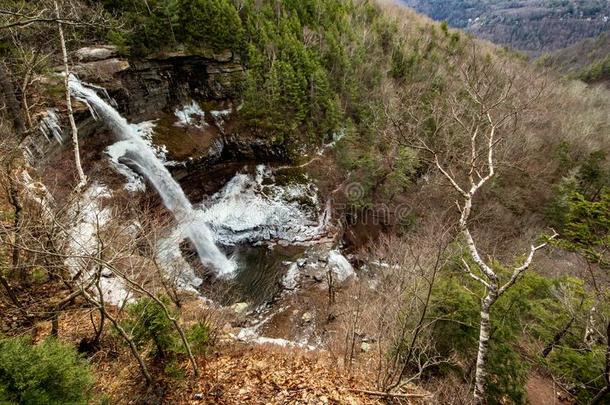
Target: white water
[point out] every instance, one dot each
(140, 155)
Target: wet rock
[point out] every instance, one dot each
(241, 147)
(157, 83)
(224, 56)
(240, 307)
(95, 53)
(204, 53)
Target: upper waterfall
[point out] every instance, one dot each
(143, 158)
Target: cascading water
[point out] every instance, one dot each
(142, 156)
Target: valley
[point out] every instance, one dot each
(531, 26)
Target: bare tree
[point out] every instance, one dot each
(387, 313)
(79, 169)
(566, 298)
(10, 154)
(481, 114)
(486, 275)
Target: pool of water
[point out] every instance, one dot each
(258, 278)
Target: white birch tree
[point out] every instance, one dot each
(82, 179)
(477, 117)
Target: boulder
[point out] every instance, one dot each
(340, 266)
(307, 317)
(96, 53)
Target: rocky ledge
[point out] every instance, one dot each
(144, 87)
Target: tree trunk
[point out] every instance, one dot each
(15, 201)
(98, 334)
(9, 290)
(484, 335)
(79, 169)
(590, 328)
(55, 324)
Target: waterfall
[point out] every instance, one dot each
(142, 156)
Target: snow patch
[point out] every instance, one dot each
(83, 242)
(38, 192)
(291, 278)
(190, 115)
(251, 335)
(220, 116)
(248, 209)
(170, 258)
(340, 266)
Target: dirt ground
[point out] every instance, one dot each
(543, 391)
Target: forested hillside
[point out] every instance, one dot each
(534, 26)
(587, 60)
(301, 201)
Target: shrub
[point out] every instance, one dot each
(199, 337)
(148, 323)
(46, 373)
(581, 368)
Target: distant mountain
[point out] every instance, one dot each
(534, 26)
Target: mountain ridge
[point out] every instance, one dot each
(533, 26)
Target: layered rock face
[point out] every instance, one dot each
(143, 87)
(149, 86)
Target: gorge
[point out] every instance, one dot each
(313, 201)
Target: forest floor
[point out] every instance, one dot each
(232, 373)
(542, 390)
